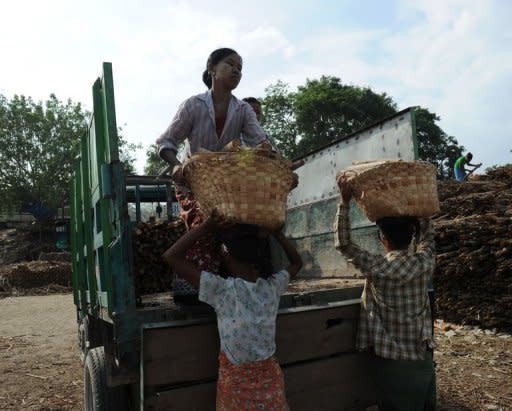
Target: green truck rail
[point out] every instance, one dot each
(157, 355)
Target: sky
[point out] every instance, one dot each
(452, 57)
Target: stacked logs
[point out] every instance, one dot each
(149, 243)
(33, 274)
(473, 278)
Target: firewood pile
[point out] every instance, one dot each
(55, 256)
(473, 278)
(33, 274)
(150, 241)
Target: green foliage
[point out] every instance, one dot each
(434, 145)
(279, 119)
(153, 161)
(325, 110)
(127, 152)
(38, 142)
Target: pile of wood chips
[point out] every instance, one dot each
(34, 274)
(473, 278)
(152, 275)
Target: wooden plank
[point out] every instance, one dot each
(315, 334)
(200, 397)
(181, 354)
(337, 383)
(189, 353)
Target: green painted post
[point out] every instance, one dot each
(109, 107)
(82, 266)
(79, 236)
(103, 203)
(75, 274)
(122, 295)
(88, 223)
(101, 231)
(414, 135)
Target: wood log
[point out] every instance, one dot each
(474, 250)
(149, 242)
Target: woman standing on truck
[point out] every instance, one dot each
(207, 121)
(246, 305)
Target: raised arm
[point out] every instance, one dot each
(176, 133)
(291, 252)
(175, 255)
(427, 244)
(362, 259)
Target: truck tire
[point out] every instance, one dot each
(97, 395)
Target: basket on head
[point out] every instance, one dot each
(248, 186)
(392, 188)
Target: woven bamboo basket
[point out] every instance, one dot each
(394, 188)
(248, 186)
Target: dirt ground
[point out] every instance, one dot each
(40, 367)
(39, 362)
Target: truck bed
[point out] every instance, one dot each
(315, 337)
(301, 292)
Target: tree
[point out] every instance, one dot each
(279, 119)
(127, 152)
(326, 110)
(38, 144)
(434, 145)
(153, 161)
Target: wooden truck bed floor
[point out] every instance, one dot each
(301, 292)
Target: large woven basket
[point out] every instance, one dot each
(394, 188)
(248, 186)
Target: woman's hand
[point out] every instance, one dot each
(295, 181)
(177, 175)
(345, 189)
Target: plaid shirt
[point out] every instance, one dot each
(395, 311)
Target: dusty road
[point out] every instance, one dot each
(40, 367)
(39, 363)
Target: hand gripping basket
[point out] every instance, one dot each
(248, 186)
(394, 188)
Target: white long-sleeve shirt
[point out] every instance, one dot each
(195, 123)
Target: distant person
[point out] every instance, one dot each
(246, 305)
(459, 167)
(396, 321)
(256, 106)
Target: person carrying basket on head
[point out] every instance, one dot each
(208, 121)
(395, 322)
(246, 305)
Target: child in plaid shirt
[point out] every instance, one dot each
(395, 321)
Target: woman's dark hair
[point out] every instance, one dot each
(245, 243)
(215, 57)
(399, 230)
(469, 156)
(251, 100)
